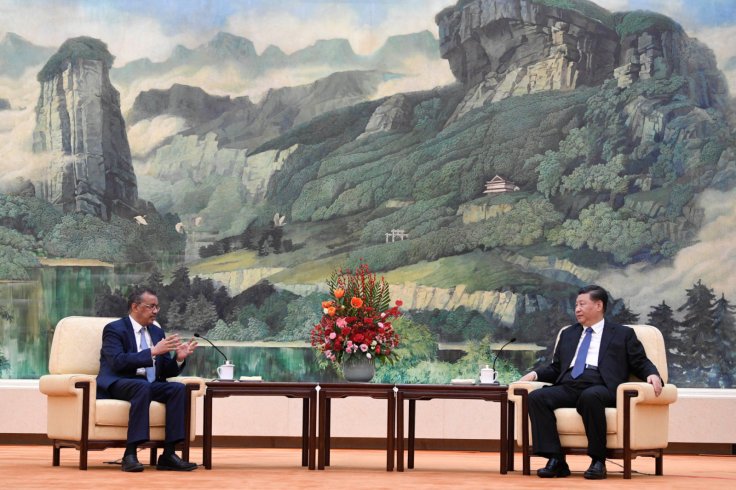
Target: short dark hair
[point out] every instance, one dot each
(596, 293)
(136, 295)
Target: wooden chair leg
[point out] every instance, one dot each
(659, 463)
(56, 456)
(153, 456)
(83, 456)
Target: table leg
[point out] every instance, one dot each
(322, 430)
(390, 431)
(328, 420)
(400, 431)
(511, 433)
(504, 443)
(312, 427)
(412, 420)
(525, 463)
(305, 432)
(207, 429)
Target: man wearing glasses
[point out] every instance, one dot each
(135, 360)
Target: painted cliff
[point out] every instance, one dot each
(80, 126)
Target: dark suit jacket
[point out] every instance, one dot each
(119, 356)
(621, 354)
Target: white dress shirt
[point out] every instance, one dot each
(138, 329)
(595, 344)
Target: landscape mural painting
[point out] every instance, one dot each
(486, 157)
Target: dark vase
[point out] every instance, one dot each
(358, 368)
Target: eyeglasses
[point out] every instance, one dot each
(151, 307)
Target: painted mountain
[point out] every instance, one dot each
(573, 145)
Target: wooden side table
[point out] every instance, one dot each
(343, 390)
(412, 393)
(306, 391)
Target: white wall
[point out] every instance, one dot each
(699, 416)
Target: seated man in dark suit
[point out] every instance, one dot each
(591, 359)
(135, 361)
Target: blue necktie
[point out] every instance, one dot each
(150, 371)
(579, 366)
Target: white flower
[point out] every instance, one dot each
(368, 355)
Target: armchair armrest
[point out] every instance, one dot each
(529, 386)
(645, 394)
(191, 380)
(66, 384)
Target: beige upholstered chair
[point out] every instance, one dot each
(637, 426)
(75, 417)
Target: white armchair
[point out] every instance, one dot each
(75, 417)
(637, 426)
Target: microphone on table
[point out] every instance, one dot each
(213, 345)
(513, 339)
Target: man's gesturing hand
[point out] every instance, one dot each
(184, 350)
(166, 344)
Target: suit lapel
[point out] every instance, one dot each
(576, 331)
(130, 335)
(609, 332)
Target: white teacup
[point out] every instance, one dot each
(488, 375)
(226, 371)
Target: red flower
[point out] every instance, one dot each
(356, 302)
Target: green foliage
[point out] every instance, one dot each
(526, 223)
(458, 325)
(585, 7)
(88, 237)
(597, 178)
(416, 347)
(78, 48)
(15, 264)
(302, 314)
(638, 21)
(30, 216)
(601, 228)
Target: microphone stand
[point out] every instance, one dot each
(213, 345)
(513, 339)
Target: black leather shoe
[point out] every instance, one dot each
(131, 464)
(172, 462)
(556, 468)
(596, 471)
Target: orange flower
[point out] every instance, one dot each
(326, 304)
(339, 293)
(356, 302)
(331, 311)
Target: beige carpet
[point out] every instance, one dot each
(30, 467)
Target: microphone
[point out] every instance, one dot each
(213, 345)
(513, 339)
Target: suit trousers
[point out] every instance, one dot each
(588, 395)
(140, 393)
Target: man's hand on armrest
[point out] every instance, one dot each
(530, 376)
(656, 383)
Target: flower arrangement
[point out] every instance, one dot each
(357, 318)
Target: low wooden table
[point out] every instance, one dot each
(495, 393)
(329, 391)
(306, 391)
